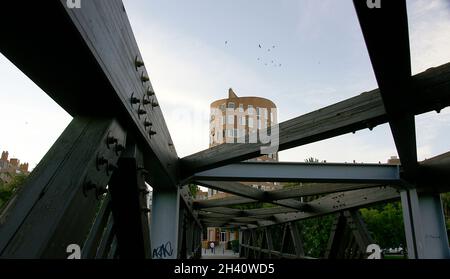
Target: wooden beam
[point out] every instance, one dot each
(429, 91)
(246, 191)
(385, 32)
(57, 204)
(84, 59)
(282, 195)
(338, 202)
(129, 206)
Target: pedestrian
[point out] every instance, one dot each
(212, 247)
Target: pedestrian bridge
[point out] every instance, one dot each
(89, 192)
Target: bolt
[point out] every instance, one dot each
(146, 101)
(138, 63)
(100, 161)
(144, 78)
(150, 92)
(141, 111)
(134, 100)
(147, 123)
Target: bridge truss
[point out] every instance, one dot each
(90, 188)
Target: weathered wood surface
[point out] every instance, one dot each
(84, 59)
(58, 202)
(386, 35)
(249, 192)
(430, 90)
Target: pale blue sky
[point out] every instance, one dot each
(318, 43)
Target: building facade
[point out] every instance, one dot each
(11, 167)
(240, 120)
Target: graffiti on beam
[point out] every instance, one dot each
(163, 251)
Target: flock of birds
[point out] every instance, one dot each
(266, 62)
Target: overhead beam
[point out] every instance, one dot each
(246, 191)
(385, 32)
(429, 91)
(338, 202)
(84, 59)
(302, 172)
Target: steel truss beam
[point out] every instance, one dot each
(304, 172)
(349, 237)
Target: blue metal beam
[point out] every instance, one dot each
(303, 172)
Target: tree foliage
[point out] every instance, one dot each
(315, 233)
(193, 190)
(7, 190)
(385, 223)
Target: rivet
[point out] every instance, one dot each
(154, 104)
(146, 101)
(134, 100)
(151, 133)
(100, 161)
(147, 123)
(150, 92)
(138, 63)
(144, 78)
(142, 111)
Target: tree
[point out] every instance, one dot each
(385, 223)
(315, 233)
(7, 190)
(193, 189)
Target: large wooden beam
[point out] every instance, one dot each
(247, 191)
(385, 31)
(429, 91)
(322, 206)
(338, 202)
(85, 60)
(57, 204)
(282, 195)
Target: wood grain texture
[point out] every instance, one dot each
(84, 60)
(55, 209)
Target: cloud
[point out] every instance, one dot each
(187, 75)
(429, 29)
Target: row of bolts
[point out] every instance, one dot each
(138, 63)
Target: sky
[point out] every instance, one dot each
(195, 50)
